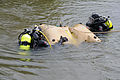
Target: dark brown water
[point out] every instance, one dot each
(89, 61)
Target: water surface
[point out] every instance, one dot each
(89, 61)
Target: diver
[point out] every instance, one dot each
(98, 23)
(35, 39)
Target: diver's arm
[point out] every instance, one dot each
(62, 40)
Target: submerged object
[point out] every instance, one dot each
(75, 35)
(54, 33)
(82, 33)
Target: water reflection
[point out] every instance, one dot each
(21, 64)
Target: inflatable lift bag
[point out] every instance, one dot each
(77, 34)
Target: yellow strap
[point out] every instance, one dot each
(46, 38)
(70, 36)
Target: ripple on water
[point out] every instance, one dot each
(93, 61)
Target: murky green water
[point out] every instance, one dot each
(89, 61)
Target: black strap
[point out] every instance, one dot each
(19, 37)
(109, 28)
(25, 43)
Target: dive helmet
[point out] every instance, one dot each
(93, 17)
